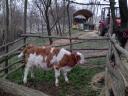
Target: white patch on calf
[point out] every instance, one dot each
(37, 60)
(57, 74)
(66, 69)
(45, 58)
(61, 54)
(20, 55)
(43, 47)
(53, 59)
(52, 49)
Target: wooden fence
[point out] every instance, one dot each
(116, 78)
(9, 54)
(4, 58)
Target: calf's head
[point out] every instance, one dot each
(80, 57)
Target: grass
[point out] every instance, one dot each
(92, 44)
(98, 61)
(79, 77)
(37, 41)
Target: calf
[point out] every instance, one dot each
(60, 60)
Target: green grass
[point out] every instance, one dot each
(37, 41)
(92, 44)
(98, 61)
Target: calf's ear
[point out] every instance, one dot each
(77, 57)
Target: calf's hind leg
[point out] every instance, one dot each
(65, 76)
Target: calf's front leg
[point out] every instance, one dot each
(57, 74)
(26, 73)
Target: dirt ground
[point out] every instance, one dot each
(88, 35)
(91, 34)
(4, 94)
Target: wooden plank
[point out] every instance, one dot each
(93, 57)
(10, 65)
(18, 90)
(108, 82)
(9, 53)
(10, 43)
(57, 37)
(121, 66)
(118, 85)
(119, 48)
(6, 60)
(73, 43)
(12, 55)
(91, 49)
(12, 71)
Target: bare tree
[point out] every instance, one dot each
(45, 12)
(7, 22)
(25, 15)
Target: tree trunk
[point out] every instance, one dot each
(57, 17)
(47, 20)
(7, 22)
(25, 16)
(69, 24)
(63, 30)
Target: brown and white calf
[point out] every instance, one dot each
(61, 60)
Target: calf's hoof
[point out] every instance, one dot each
(67, 82)
(57, 84)
(33, 77)
(25, 81)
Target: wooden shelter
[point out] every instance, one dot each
(81, 17)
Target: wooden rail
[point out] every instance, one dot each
(56, 37)
(10, 65)
(14, 70)
(69, 44)
(10, 43)
(9, 54)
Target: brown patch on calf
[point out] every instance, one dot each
(43, 51)
(68, 60)
(50, 57)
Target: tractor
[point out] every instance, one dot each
(105, 18)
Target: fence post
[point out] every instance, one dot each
(69, 24)
(6, 59)
(25, 39)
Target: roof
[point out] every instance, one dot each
(84, 12)
(80, 17)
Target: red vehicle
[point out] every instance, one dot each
(105, 18)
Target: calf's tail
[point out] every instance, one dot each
(21, 55)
